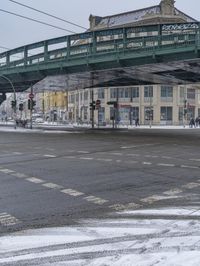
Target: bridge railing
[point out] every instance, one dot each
(95, 44)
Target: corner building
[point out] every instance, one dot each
(157, 104)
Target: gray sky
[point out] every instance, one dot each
(16, 31)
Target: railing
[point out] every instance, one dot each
(96, 44)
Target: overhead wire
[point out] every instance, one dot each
(47, 14)
(35, 20)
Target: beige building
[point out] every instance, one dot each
(157, 105)
(152, 104)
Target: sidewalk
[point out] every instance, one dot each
(9, 126)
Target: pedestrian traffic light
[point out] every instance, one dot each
(13, 104)
(21, 107)
(92, 105)
(98, 104)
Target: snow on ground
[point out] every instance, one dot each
(158, 237)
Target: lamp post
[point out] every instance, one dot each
(15, 105)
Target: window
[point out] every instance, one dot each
(135, 92)
(113, 93)
(127, 93)
(166, 91)
(121, 93)
(148, 91)
(166, 113)
(101, 93)
(190, 93)
(85, 95)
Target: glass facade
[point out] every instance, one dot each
(166, 113)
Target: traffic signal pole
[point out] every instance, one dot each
(92, 109)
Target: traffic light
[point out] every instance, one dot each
(98, 104)
(31, 104)
(13, 104)
(92, 105)
(114, 103)
(21, 107)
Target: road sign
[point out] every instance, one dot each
(31, 95)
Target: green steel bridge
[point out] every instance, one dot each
(167, 54)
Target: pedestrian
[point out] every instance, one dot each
(137, 122)
(192, 123)
(197, 122)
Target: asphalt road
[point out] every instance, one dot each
(54, 179)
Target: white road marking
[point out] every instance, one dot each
(52, 185)
(151, 156)
(104, 160)
(166, 157)
(35, 180)
(189, 166)
(8, 220)
(95, 200)
(17, 153)
(155, 198)
(86, 158)
(191, 185)
(116, 153)
(118, 161)
(49, 155)
(146, 163)
(6, 171)
(130, 205)
(83, 152)
(172, 192)
(196, 160)
(166, 164)
(72, 192)
(20, 175)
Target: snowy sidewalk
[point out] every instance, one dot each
(130, 238)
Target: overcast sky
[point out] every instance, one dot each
(15, 31)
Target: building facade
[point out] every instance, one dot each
(152, 104)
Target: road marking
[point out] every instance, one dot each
(120, 207)
(8, 220)
(49, 155)
(116, 153)
(20, 175)
(166, 164)
(146, 163)
(86, 158)
(133, 154)
(72, 192)
(191, 185)
(166, 157)
(155, 198)
(52, 185)
(104, 160)
(83, 152)
(151, 156)
(118, 161)
(17, 153)
(95, 200)
(196, 160)
(189, 166)
(35, 180)
(6, 171)
(172, 192)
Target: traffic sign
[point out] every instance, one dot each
(31, 95)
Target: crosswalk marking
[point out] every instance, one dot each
(72, 192)
(20, 175)
(35, 180)
(52, 185)
(6, 171)
(95, 200)
(8, 220)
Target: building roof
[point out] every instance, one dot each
(135, 16)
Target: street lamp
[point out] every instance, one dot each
(14, 92)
